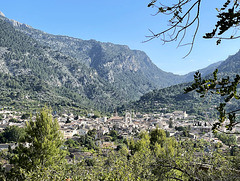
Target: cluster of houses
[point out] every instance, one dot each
(127, 126)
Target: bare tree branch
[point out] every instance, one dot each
(176, 28)
(179, 19)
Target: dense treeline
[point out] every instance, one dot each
(171, 99)
(16, 41)
(229, 140)
(12, 134)
(150, 156)
(174, 98)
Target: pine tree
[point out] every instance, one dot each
(41, 147)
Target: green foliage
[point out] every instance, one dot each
(157, 136)
(228, 17)
(41, 146)
(170, 123)
(68, 121)
(228, 140)
(164, 101)
(25, 116)
(180, 128)
(224, 87)
(113, 134)
(34, 74)
(88, 142)
(12, 134)
(71, 143)
(152, 157)
(92, 133)
(13, 120)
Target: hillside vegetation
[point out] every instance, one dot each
(174, 98)
(36, 74)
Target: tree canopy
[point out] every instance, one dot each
(41, 146)
(12, 134)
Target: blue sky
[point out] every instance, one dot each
(123, 22)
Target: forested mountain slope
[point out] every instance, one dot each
(84, 73)
(204, 72)
(39, 74)
(173, 98)
(231, 65)
(129, 71)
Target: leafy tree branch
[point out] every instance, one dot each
(226, 88)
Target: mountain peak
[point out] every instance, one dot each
(1, 14)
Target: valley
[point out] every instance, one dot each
(100, 111)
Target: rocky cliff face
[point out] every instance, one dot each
(37, 71)
(167, 97)
(96, 70)
(130, 71)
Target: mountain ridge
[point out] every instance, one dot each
(22, 27)
(86, 72)
(23, 58)
(124, 68)
(167, 98)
